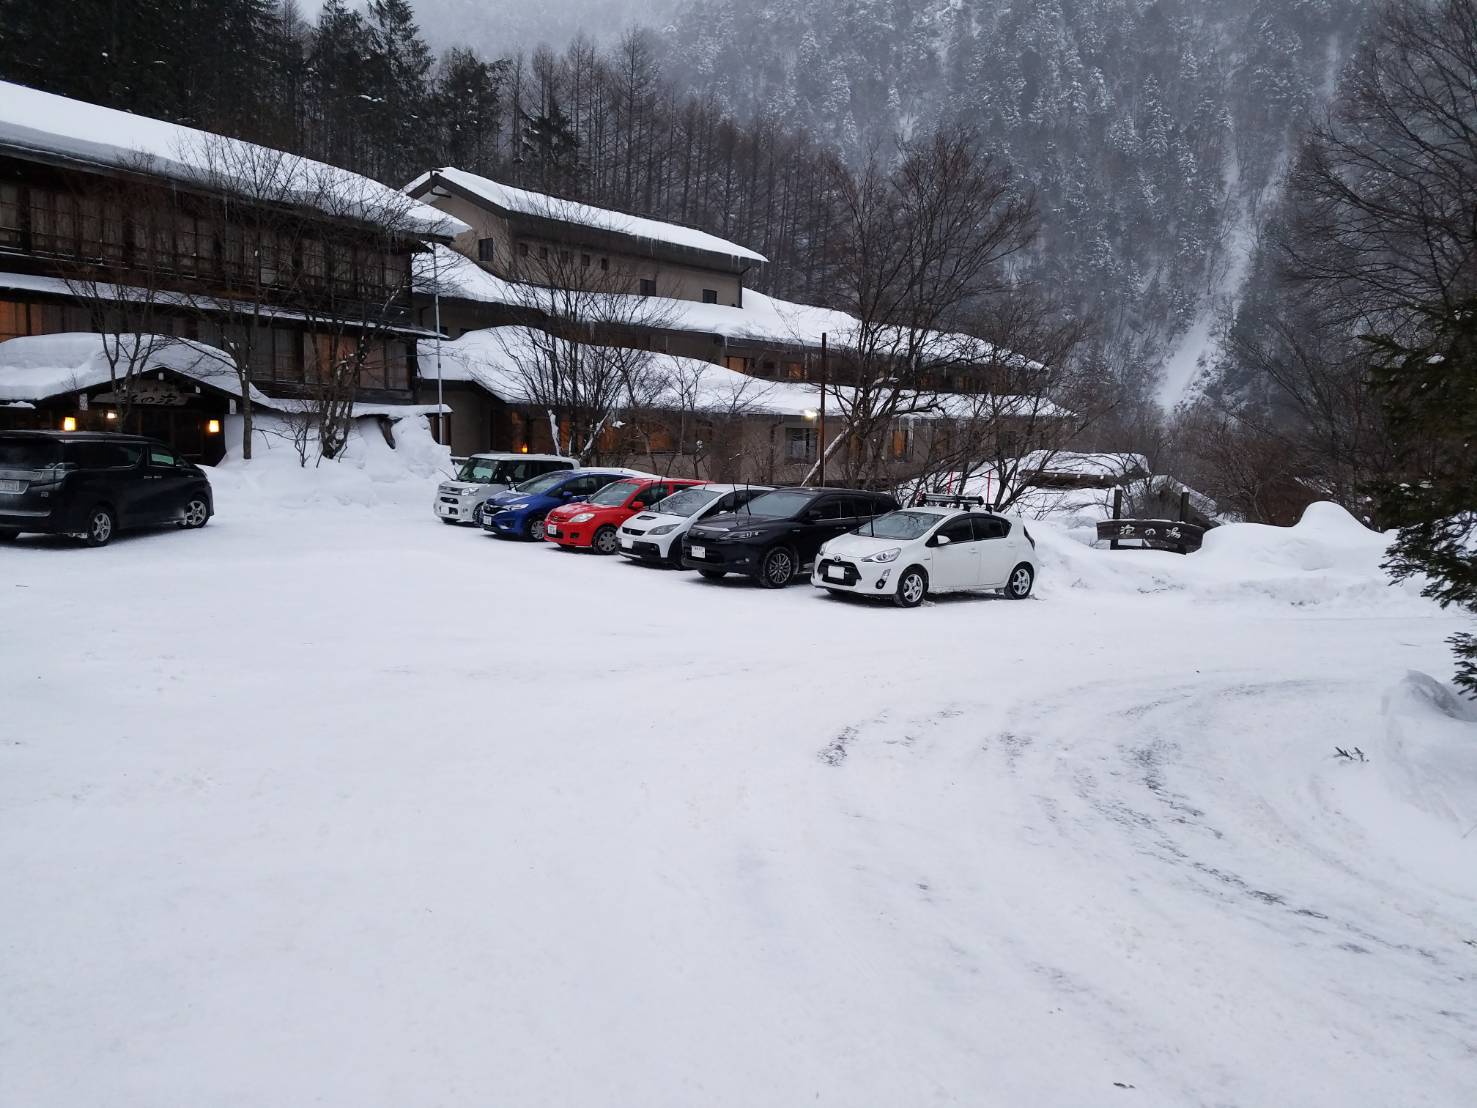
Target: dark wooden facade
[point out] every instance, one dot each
(68, 232)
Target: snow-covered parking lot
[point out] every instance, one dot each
(335, 805)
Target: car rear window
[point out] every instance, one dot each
(29, 453)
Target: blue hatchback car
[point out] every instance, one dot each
(519, 513)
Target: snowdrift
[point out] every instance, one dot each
(370, 474)
(1430, 750)
(1329, 557)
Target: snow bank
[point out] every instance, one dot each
(1430, 753)
(1329, 557)
(369, 474)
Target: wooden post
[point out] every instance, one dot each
(1117, 513)
(1184, 505)
(820, 438)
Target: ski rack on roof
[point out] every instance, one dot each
(952, 500)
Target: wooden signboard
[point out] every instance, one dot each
(1152, 534)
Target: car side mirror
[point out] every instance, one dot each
(812, 515)
(638, 506)
(941, 540)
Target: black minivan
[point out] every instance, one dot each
(778, 533)
(94, 484)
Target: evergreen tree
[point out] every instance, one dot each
(1429, 391)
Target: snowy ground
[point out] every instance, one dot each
(336, 805)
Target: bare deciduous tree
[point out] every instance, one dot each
(565, 366)
(918, 247)
(1039, 395)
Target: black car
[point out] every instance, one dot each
(777, 534)
(95, 484)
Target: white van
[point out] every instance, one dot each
(482, 475)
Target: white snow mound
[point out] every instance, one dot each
(370, 472)
(1430, 754)
(1328, 557)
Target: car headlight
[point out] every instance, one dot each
(744, 534)
(884, 555)
(583, 517)
(664, 529)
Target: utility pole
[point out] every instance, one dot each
(820, 437)
(436, 298)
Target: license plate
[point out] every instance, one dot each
(699, 551)
(626, 544)
(836, 572)
(551, 530)
(11, 486)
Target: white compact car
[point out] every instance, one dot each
(482, 475)
(656, 534)
(934, 548)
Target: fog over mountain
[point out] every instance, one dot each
(1152, 130)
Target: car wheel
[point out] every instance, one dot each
(536, 530)
(674, 554)
(712, 574)
(777, 568)
(605, 541)
(101, 523)
(1019, 585)
(197, 514)
(912, 587)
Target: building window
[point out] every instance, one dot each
(486, 250)
(710, 296)
(585, 261)
(523, 249)
(800, 444)
(902, 441)
(543, 253)
(648, 287)
(604, 264)
(10, 215)
(13, 322)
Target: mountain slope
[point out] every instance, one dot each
(1150, 129)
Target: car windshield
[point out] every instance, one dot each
(611, 495)
(898, 525)
(780, 504)
(542, 483)
(487, 471)
(29, 453)
(685, 502)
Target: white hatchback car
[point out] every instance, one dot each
(933, 548)
(656, 535)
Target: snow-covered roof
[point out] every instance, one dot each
(1085, 464)
(492, 358)
(523, 202)
(44, 123)
(765, 319)
(38, 367)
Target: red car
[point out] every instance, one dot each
(592, 524)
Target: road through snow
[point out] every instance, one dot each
(346, 807)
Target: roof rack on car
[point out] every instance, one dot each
(952, 500)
